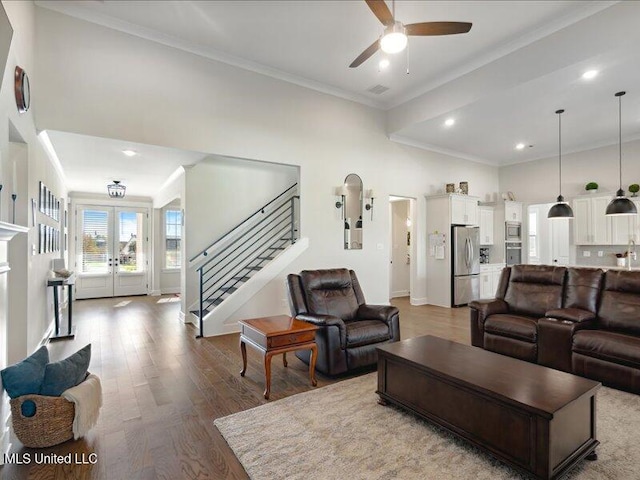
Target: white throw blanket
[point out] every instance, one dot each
(87, 397)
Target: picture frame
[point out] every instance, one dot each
(41, 238)
(41, 194)
(33, 212)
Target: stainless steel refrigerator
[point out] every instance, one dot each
(465, 249)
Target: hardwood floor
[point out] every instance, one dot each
(162, 389)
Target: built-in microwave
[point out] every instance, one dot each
(513, 232)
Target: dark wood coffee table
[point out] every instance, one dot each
(538, 420)
(278, 335)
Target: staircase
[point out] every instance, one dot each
(234, 258)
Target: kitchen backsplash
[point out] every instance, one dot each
(608, 258)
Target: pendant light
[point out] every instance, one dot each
(561, 209)
(621, 205)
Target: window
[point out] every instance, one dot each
(533, 234)
(172, 238)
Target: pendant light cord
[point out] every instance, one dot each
(559, 113)
(620, 137)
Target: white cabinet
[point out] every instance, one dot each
(486, 225)
(590, 224)
(464, 210)
(625, 227)
(489, 280)
(513, 212)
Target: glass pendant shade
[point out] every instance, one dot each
(620, 205)
(561, 209)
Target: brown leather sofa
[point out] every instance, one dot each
(580, 320)
(349, 329)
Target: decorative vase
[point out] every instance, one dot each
(593, 190)
(621, 262)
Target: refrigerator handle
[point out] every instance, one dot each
(466, 253)
(471, 259)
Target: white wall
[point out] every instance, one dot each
(232, 112)
(31, 304)
(536, 182)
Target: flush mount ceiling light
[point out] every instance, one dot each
(116, 190)
(590, 74)
(620, 205)
(520, 146)
(129, 153)
(561, 209)
(449, 122)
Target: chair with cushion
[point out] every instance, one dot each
(611, 354)
(349, 329)
(509, 324)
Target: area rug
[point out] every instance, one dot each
(340, 432)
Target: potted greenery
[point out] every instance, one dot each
(634, 188)
(591, 187)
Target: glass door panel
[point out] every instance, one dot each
(94, 258)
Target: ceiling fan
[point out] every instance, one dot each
(395, 35)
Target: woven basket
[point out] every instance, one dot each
(52, 423)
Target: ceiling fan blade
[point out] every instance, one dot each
(380, 10)
(437, 28)
(373, 48)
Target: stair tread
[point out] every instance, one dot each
(197, 312)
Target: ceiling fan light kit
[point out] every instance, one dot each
(395, 37)
(620, 205)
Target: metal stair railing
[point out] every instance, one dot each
(245, 250)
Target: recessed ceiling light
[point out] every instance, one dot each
(449, 122)
(520, 146)
(589, 74)
(129, 153)
(384, 63)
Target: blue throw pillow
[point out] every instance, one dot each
(67, 373)
(26, 377)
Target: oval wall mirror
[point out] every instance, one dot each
(353, 212)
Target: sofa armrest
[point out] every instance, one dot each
(489, 307)
(576, 315)
(383, 313)
(480, 310)
(326, 321)
(555, 338)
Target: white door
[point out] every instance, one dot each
(560, 242)
(111, 251)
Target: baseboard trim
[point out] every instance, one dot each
(155, 293)
(170, 291)
(184, 318)
(400, 293)
(418, 301)
(47, 334)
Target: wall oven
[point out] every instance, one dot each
(513, 232)
(513, 254)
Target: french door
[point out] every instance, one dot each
(111, 251)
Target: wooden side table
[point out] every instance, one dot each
(276, 335)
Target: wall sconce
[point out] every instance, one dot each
(369, 206)
(341, 192)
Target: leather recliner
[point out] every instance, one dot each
(509, 324)
(349, 329)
